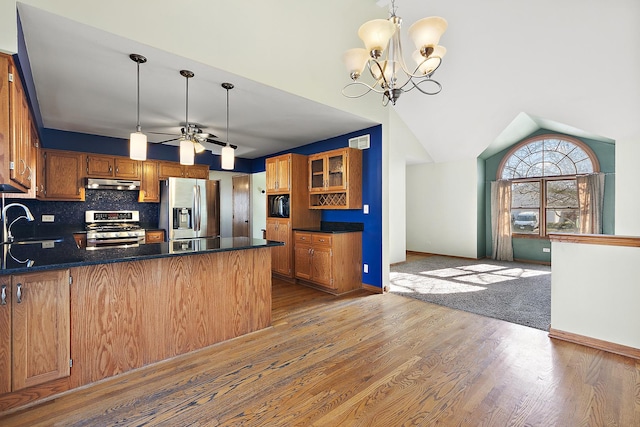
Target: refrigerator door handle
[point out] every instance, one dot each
(199, 203)
(195, 208)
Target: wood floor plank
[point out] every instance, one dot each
(364, 360)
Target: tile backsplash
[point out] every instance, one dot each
(70, 215)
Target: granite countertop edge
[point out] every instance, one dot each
(68, 255)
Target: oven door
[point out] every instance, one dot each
(94, 243)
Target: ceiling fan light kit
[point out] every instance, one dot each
(138, 140)
(383, 58)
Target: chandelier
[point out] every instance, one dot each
(384, 60)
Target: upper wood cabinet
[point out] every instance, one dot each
(40, 346)
(62, 175)
(149, 182)
(278, 174)
(99, 166)
(335, 179)
(17, 165)
(176, 170)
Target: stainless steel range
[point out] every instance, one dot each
(113, 229)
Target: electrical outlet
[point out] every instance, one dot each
(48, 218)
(49, 244)
(546, 249)
(365, 268)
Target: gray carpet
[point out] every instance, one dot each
(515, 292)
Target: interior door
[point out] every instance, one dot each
(241, 206)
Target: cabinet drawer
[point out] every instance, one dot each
(154, 236)
(321, 239)
(302, 238)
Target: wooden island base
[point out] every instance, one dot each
(126, 315)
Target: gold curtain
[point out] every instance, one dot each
(501, 220)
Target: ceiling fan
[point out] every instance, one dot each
(191, 131)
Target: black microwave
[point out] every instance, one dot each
(278, 206)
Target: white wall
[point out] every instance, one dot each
(258, 204)
(592, 301)
(627, 180)
(403, 148)
(442, 210)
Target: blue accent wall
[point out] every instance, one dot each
(74, 141)
(371, 195)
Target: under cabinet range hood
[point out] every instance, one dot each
(112, 184)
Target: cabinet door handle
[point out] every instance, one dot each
(25, 167)
(19, 293)
(110, 169)
(30, 173)
(3, 297)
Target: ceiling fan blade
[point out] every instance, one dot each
(220, 143)
(162, 133)
(168, 140)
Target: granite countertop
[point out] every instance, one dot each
(334, 227)
(62, 253)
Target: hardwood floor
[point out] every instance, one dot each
(365, 360)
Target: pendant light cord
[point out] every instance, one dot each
(138, 127)
(227, 116)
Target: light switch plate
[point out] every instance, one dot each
(366, 268)
(546, 249)
(365, 209)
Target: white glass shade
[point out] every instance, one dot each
(187, 154)
(228, 157)
(427, 31)
(355, 60)
(432, 63)
(138, 146)
(376, 34)
(199, 148)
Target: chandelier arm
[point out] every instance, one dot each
(369, 89)
(384, 83)
(417, 86)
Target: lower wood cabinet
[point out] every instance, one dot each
(331, 261)
(35, 339)
(154, 236)
(279, 229)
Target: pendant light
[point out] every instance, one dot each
(137, 139)
(187, 151)
(228, 155)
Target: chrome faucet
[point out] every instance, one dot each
(6, 231)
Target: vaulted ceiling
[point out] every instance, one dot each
(511, 67)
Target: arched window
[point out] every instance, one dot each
(544, 193)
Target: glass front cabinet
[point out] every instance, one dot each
(335, 179)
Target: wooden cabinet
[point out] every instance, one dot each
(278, 173)
(335, 179)
(40, 346)
(331, 261)
(154, 236)
(196, 171)
(17, 164)
(279, 229)
(149, 183)
(176, 170)
(99, 166)
(286, 178)
(62, 176)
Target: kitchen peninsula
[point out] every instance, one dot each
(73, 316)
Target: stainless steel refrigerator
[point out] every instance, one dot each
(190, 208)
